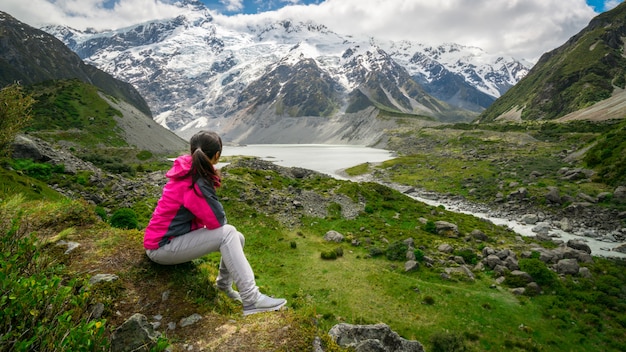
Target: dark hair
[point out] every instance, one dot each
(203, 146)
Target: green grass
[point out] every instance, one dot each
(355, 287)
(75, 112)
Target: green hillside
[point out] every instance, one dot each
(73, 111)
(583, 71)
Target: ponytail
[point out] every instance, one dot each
(204, 146)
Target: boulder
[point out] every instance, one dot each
(619, 195)
(135, 334)
(446, 248)
(579, 245)
(541, 228)
(492, 260)
(524, 276)
(446, 228)
(553, 196)
(479, 235)
(530, 219)
(372, 338)
(333, 236)
(567, 267)
(411, 265)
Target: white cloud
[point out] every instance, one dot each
(611, 4)
(83, 14)
(232, 5)
(518, 28)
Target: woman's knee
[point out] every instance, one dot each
(230, 230)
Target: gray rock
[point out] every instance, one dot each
(541, 228)
(446, 228)
(566, 225)
(567, 266)
(530, 219)
(479, 235)
(411, 265)
(518, 291)
(446, 248)
(579, 245)
(619, 195)
(102, 277)
(587, 198)
(519, 194)
(553, 196)
(135, 334)
(192, 319)
(522, 275)
(492, 260)
(333, 236)
(584, 272)
(372, 338)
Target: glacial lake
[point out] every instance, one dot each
(325, 158)
(332, 159)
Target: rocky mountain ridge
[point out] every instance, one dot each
(29, 55)
(196, 73)
(589, 68)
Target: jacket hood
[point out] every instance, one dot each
(181, 167)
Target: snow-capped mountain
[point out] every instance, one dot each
(195, 73)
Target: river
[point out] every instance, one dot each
(333, 159)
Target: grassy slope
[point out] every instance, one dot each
(354, 288)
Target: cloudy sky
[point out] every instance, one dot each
(524, 29)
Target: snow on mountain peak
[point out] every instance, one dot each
(190, 67)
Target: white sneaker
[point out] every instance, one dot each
(264, 304)
(232, 294)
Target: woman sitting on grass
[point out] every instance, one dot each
(189, 222)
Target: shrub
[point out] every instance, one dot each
(339, 251)
(124, 218)
(329, 255)
(144, 155)
(447, 342)
(538, 271)
(429, 300)
(419, 255)
(376, 252)
(430, 227)
(15, 114)
(101, 213)
(468, 256)
(42, 310)
(40, 171)
(397, 251)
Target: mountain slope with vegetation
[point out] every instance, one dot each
(588, 68)
(449, 298)
(29, 56)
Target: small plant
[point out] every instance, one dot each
(101, 213)
(293, 244)
(397, 251)
(468, 256)
(124, 218)
(329, 255)
(376, 252)
(429, 300)
(538, 271)
(447, 342)
(430, 227)
(419, 255)
(15, 114)
(339, 251)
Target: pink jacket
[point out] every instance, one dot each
(181, 209)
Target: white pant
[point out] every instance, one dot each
(229, 242)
